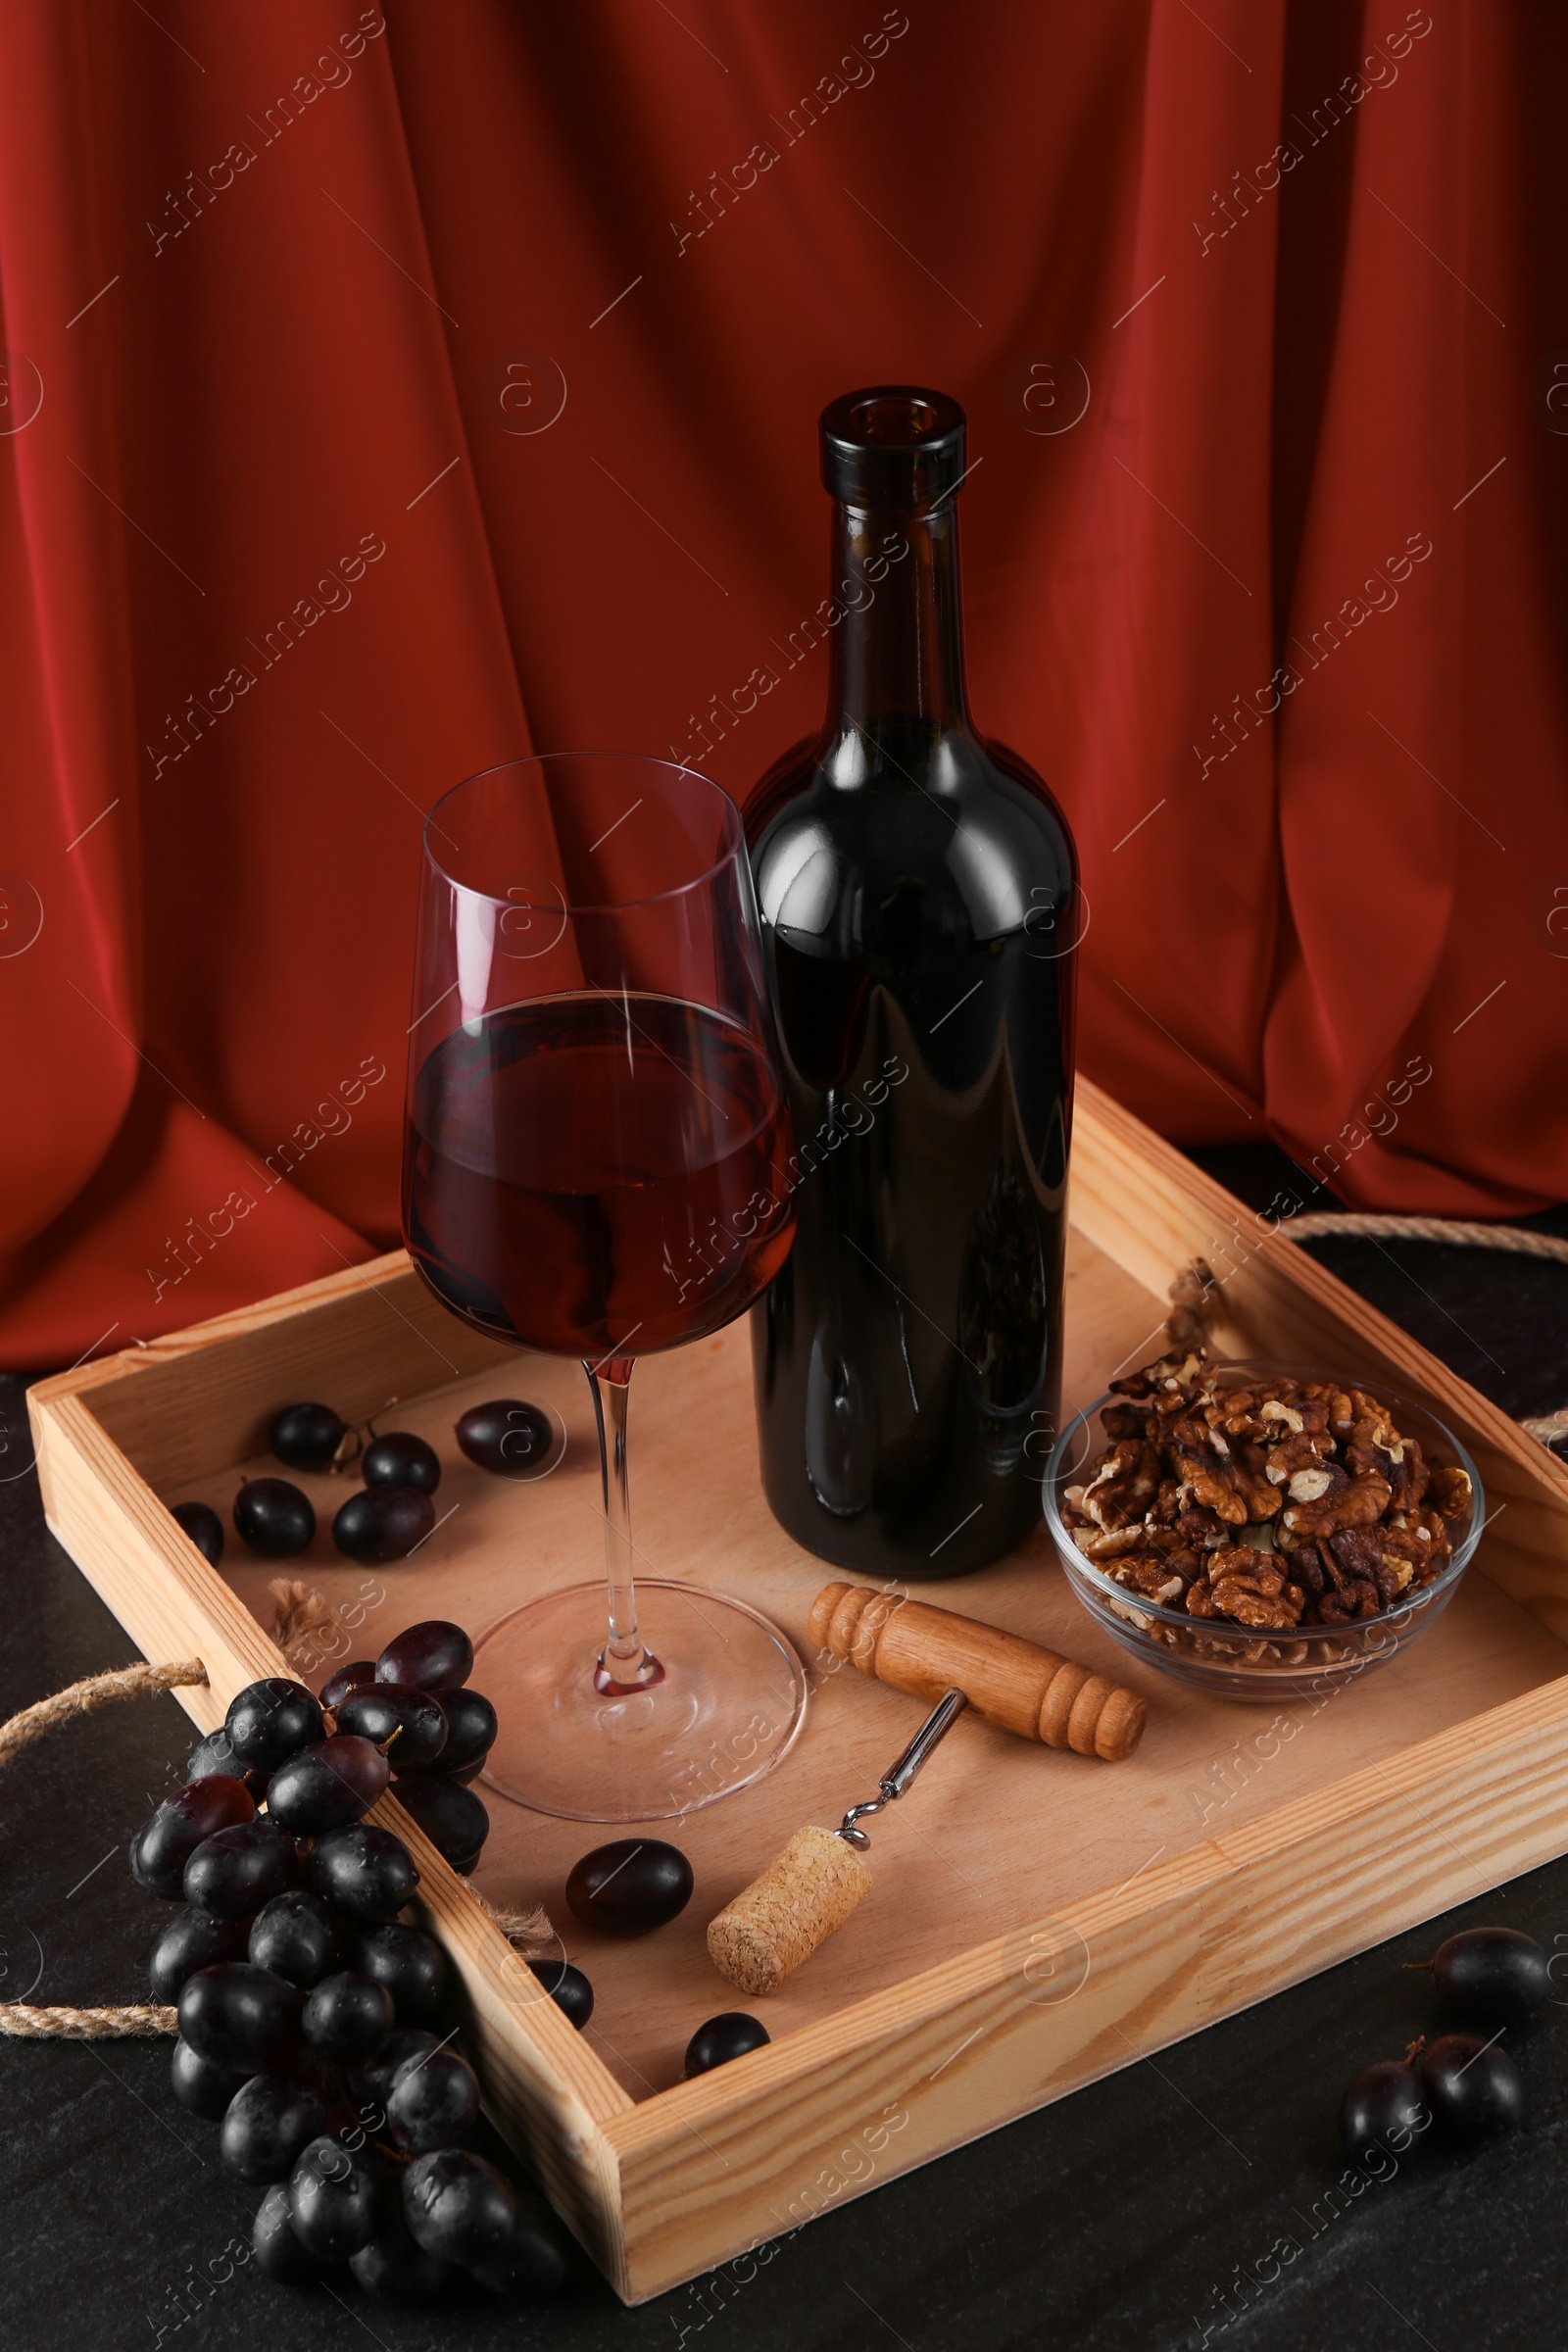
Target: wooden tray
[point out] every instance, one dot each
(1037, 1919)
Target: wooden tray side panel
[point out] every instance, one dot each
(1444, 1820)
(545, 2089)
(156, 1583)
(362, 1338)
(711, 2172)
(708, 2176)
(1137, 1198)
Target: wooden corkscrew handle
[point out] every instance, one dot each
(1010, 1682)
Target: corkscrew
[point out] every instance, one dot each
(894, 1782)
(809, 1890)
(812, 1887)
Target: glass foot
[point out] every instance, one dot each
(727, 1708)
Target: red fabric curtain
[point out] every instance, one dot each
(389, 396)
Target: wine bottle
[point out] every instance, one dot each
(921, 912)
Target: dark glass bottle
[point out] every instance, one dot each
(920, 909)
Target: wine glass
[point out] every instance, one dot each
(595, 1165)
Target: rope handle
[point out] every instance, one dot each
(1515, 1238)
(21, 2018)
(24, 2023)
(127, 1682)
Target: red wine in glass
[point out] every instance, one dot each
(573, 1195)
(598, 1164)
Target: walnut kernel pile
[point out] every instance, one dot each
(1279, 1505)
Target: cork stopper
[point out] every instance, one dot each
(779, 1919)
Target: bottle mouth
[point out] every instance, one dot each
(892, 445)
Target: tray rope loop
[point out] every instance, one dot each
(1516, 1240)
(21, 2019)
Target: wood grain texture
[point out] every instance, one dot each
(1035, 1920)
(364, 1339)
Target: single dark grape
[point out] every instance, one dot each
(1496, 1975)
(234, 1873)
(411, 1725)
(434, 2102)
(193, 1940)
(630, 1887)
(271, 1721)
(531, 2265)
(459, 2207)
(410, 1965)
(280, 2256)
(187, 1817)
(366, 1871)
(430, 1656)
(204, 1528)
(401, 1459)
(1384, 2107)
(326, 1786)
(274, 1518)
(214, 1758)
(347, 2018)
(383, 1523)
(394, 2270)
(505, 1436)
(305, 1435)
(1474, 2088)
(451, 1816)
(373, 2077)
(720, 2038)
(205, 2086)
(268, 2124)
(567, 1987)
(239, 2015)
(336, 2200)
(294, 1935)
(336, 1687)
(471, 1735)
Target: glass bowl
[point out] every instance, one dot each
(1239, 1661)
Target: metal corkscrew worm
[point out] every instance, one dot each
(894, 1782)
(812, 1887)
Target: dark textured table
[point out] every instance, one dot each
(1184, 2199)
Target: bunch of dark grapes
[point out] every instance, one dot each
(1464, 2082)
(305, 2001)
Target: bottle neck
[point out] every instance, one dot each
(897, 653)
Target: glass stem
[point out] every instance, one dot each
(625, 1663)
